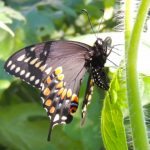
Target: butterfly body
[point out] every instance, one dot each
(57, 68)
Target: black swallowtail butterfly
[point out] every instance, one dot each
(56, 68)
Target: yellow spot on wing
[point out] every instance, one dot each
(27, 59)
(9, 63)
(69, 93)
(60, 91)
(60, 77)
(33, 61)
(12, 67)
(42, 68)
(21, 58)
(60, 85)
(17, 70)
(32, 49)
(58, 70)
(47, 71)
(38, 64)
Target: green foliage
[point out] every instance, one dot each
(112, 123)
(115, 124)
(7, 15)
(132, 37)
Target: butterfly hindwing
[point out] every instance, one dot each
(56, 99)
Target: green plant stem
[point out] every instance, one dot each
(139, 134)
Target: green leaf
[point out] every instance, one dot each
(5, 19)
(9, 44)
(6, 16)
(112, 127)
(39, 24)
(6, 28)
(10, 13)
(14, 14)
(22, 127)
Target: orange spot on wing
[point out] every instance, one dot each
(46, 92)
(74, 98)
(48, 102)
(73, 109)
(52, 110)
(48, 80)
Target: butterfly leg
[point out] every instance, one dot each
(87, 98)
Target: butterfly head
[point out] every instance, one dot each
(103, 47)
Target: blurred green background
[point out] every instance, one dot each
(23, 122)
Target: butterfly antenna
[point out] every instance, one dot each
(112, 62)
(114, 46)
(118, 45)
(85, 11)
(116, 53)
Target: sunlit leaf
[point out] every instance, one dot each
(6, 28)
(112, 122)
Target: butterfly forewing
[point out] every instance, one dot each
(28, 64)
(35, 62)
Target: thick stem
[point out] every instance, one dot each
(139, 133)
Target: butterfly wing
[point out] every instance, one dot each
(56, 68)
